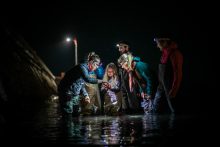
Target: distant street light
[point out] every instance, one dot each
(75, 42)
(68, 39)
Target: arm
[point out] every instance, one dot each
(83, 91)
(85, 75)
(85, 94)
(176, 59)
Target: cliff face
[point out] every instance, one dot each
(25, 81)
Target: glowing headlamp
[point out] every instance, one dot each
(122, 44)
(155, 39)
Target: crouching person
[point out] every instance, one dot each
(111, 90)
(74, 82)
(94, 107)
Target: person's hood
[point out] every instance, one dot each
(167, 51)
(170, 48)
(137, 59)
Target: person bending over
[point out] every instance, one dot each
(141, 73)
(74, 82)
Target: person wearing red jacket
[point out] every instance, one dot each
(170, 74)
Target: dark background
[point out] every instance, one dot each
(99, 26)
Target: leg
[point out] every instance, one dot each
(124, 98)
(97, 101)
(175, 104)
(134, 102)
(158, 98)
(88, 107)
(107, 107)
(75, 102)
(66, 103)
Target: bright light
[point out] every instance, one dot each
(117, 45)
(68, 39)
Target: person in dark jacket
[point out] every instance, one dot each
(74, 82)
(141, 73)
(170, 74)
(130, 102)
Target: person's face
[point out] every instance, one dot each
(160, 45)
(95, 65)
(123, 49)
(124, 65)
(110, 72)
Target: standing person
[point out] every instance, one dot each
(130, 102)
(112, 90)
(170, 74)
(141, 73)
(94, 107)
(74, 82)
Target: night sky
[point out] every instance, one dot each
(100, 26)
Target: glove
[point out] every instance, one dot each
(87, 100)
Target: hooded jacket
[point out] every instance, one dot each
(75, 79)
(99, 72)
(143, 70)
(176, 59)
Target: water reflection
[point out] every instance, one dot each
(49, 127)
(118, 130)
(111, 130)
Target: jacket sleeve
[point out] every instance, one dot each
(148, 75)
(85, 75)
(176, 59)
(83, 91)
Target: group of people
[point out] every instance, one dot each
(135, 88)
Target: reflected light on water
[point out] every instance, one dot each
(47, 126)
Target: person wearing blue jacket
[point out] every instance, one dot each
(144, 75)
(73, 83)
(94, 107)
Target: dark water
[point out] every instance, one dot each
(48, 127)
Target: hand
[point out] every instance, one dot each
(148, 96)
(87, 100)
(142, 94)
(144, 85)
(107, 86)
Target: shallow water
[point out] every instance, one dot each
(48, 127)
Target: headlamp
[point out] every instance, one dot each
(122, 44)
